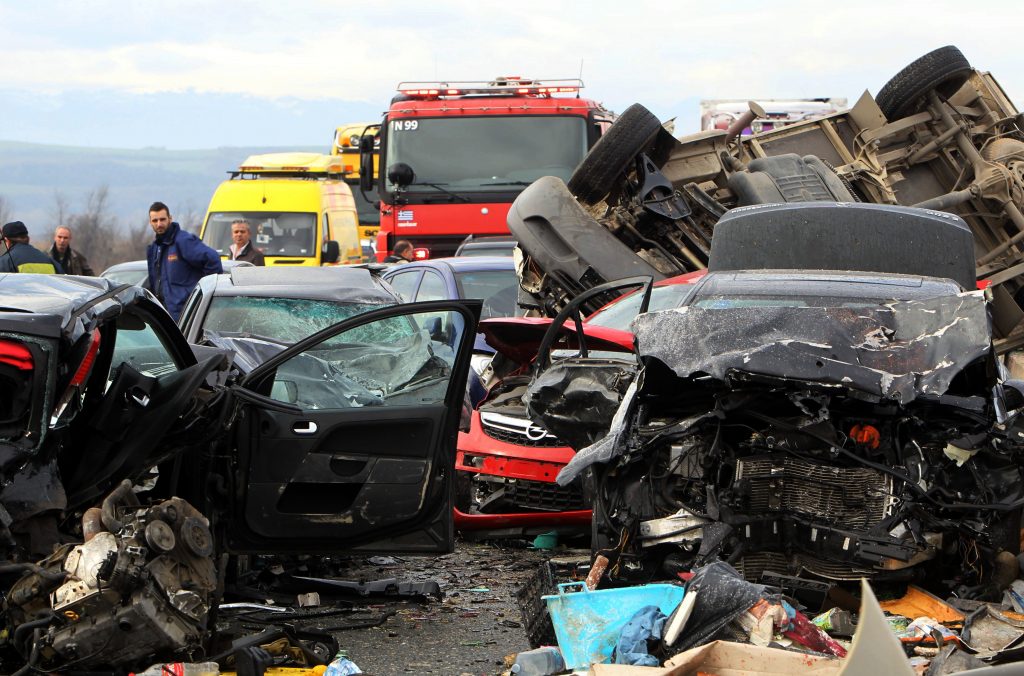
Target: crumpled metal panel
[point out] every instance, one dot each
(576, 399)
(64, 295)
(898, 351)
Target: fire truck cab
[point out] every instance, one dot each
(456, 154)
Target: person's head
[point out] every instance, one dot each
(62, 238)
(403, 249)
(240, 232)
(159, 217)
(15, 232)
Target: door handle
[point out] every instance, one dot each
(304, 427)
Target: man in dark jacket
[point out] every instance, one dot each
(177, 260)
(73, 262)
(241, 244)
(21, 256)
(402, 253)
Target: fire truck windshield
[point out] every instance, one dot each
(480, 154)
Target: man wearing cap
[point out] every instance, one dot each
(21, 256)
(177, 260)
(72, 260)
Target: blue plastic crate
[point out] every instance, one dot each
(588, 623)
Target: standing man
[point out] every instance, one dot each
(21, 256)
(72, 261)
(177, 260)
(402, 253)
(242, 248)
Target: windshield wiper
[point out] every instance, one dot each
(444, 190)
(508, 183)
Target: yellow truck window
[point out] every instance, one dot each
(275, 233)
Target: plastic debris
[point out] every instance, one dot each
(647, 623)
(835, 621)
(310, 600)
(538, 662)
(342, 666)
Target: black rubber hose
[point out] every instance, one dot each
(121, 495)
(49, 576)
(26, 627)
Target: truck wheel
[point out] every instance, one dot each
(1004, 150)
(611, 155)
(945, 70)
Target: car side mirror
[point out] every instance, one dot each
(401, 174)
(285, 390)
(366, 162)
(436, 330)
(331, 252)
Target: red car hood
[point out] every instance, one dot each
(518, 338)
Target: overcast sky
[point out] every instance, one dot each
(190, 74)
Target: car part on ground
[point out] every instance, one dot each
(137, 590)
(940, 135)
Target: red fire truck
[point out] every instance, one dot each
(457, 153)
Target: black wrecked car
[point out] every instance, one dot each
(344, 440)
(799, 418)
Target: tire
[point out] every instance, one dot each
(945, 70)
(611, 155)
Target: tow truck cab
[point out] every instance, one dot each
(456, 154)
(345, 146)
(299, 209)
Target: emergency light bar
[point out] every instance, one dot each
(503, 85)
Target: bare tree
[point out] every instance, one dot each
(5, 210)
(189, 219)
(61, 208)
(95, 229)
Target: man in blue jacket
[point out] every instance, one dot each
(177, 260)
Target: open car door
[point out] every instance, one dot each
(346, 440)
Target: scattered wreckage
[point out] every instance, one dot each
(795, 431)
(342, 441)
(939, 135)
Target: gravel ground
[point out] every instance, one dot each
(471, 631)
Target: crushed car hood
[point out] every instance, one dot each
(898, 351)
(519, 338)
(78, 302)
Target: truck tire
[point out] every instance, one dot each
(611, 155)
(945, 70)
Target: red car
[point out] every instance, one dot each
(506, 464)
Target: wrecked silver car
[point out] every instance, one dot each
(821, 423)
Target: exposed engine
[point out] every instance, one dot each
(795, 481)
(138, 589)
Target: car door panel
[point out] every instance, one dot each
(375, 474)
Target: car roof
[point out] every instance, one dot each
(461, 264)
(333, 283)
(144, 265)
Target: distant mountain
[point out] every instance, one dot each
(31, 175)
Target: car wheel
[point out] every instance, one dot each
(945, 70)
(611, 155)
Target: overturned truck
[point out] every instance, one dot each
(939, 135)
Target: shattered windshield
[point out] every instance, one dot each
(286, 320)
(486, 153)
(396, 361)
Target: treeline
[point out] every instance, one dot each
(95, 231)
